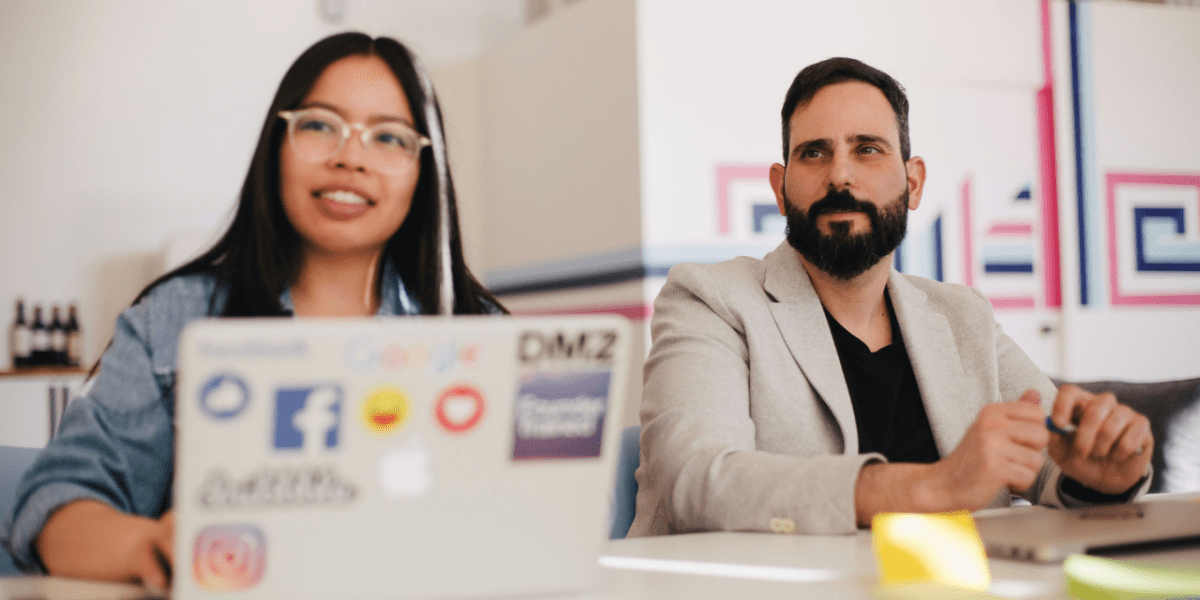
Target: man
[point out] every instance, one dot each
(810, 390)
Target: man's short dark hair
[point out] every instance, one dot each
(816, 76)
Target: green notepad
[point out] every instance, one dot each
(1094, 578)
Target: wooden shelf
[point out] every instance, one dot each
(45, 372)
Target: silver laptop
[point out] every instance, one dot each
(1043, 534)
(395, 458)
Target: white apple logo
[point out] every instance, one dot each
(404, 472)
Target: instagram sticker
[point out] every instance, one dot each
(229, 557)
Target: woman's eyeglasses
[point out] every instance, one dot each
(318, 134)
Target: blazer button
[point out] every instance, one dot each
(783, 525)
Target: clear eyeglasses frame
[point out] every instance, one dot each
(318, 134)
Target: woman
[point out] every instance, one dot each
(347, 210)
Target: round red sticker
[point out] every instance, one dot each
(460, 408)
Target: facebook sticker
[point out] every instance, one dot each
(561, 415)
(307, 418)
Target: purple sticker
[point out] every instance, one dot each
(560, 415)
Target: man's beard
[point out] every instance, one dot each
(840, 253)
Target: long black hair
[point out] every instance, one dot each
(260, 254)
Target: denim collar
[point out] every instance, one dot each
(394, 297)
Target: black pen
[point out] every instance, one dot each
(1068, 429)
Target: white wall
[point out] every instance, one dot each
(129, 122)
(560, 132)
(126, 122)
(711, 77)
(643, 97)
(712, 83)
(1139, 90)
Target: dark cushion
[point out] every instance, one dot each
(1173, 408)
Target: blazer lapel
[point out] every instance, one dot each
(935, 361)
(801, 321)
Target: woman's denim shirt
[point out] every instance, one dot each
(116, 442)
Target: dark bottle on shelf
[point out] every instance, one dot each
(74, 338)
(58, 339)
(40, 335)
(20, 338)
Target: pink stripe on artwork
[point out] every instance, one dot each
(1012, 302)
(726, 173)
(1011, 229)
(968, 250)
(1111, 181)
(1048, 167)
(633, 312)
(1047, 50)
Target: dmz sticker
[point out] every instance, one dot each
(561, 415)
(224, 396)
(307, 418)
(229, 557)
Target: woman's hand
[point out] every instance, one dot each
(87, 539)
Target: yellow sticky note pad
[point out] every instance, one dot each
(942, 548)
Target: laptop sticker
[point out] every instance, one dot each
(469, 354)
(385, 409)
(460, 408)
(560, 414)
(228, 558)
(360, 354)
(365, 355)
(393, 358)
(275, 487)
(418, 357)
(443, 357)
(404, 472)
(224, 396)
(307, 418)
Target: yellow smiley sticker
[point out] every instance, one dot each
(385, 409)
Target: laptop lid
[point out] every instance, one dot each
(412, 457)
(1041, 534)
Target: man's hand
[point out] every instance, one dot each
(1002, 449)
(87, 539)
(1111, 445)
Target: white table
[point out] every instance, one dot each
(714, 566)
(762, 565)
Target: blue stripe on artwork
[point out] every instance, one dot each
(937, 250)
(1010, 257)
(1007, 252)
(1003, 267)
(1093, 213)
(1157, 233)
(767, 219)
(921, 255)
(1080, 194)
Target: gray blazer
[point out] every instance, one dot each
(746, 418)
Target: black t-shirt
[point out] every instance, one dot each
(888, 410)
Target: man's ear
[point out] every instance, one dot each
(916, 181)
(776, 176)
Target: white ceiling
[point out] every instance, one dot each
(440, 31)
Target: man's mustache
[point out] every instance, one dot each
(840, 201)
